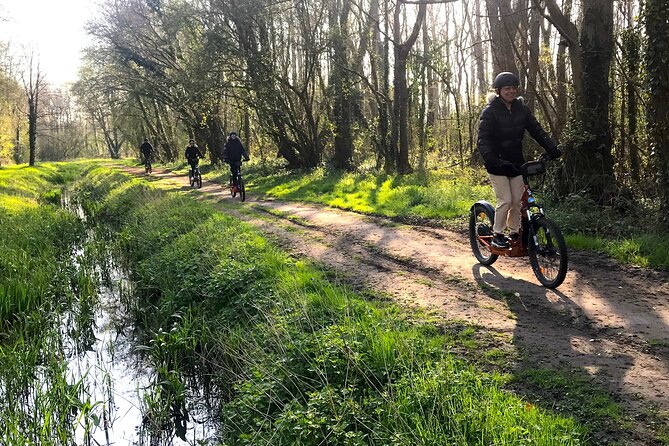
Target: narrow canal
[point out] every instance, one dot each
(103, 349)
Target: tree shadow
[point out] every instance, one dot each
(563, 362)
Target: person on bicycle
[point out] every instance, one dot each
(146, 149)
(500, 141)
(233, 151)
(193, 154)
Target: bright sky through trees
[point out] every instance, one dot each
(55, 29)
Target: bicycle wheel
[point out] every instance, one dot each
(199, 180)
(548, 252)
(480, 234)
(242, 189)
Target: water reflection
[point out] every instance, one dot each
(116, 388)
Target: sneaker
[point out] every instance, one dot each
(499, 241)
(514, 236)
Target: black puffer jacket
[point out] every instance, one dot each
(501, 132)
(192, 153)
(233, 151)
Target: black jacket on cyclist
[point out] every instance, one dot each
(501, 132)
(193, 153)
(146, 148)
(233, 151)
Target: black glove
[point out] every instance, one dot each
(246, 158)
(555, 153)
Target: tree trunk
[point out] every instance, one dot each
(591, 164)
(503, 25)
(482, 80)
(561, 98)
(17, 155)
(33, 83)
(216, 136)
(384, 109)
(588, 159)
(32, 128)
(534, 53)
(247, 132)
(432, 98)
(422, 106)
(399, 136)
(657, 55)
(340, 80)
(632, 58)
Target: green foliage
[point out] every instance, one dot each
(585, 401)
(591, 227)
(40, 278)
(438, 194)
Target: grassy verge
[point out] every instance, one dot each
(288, 357)
(436, 194)
(446, 196)
(38, 281)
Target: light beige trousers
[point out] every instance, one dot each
(508, 191)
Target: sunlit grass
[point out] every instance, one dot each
(38, 280)
(437, 194)
(643, 250)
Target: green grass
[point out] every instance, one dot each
(585, 401)
(643, 250)
(35, 237)
(299, 360)
(437, 194)
(39, 279)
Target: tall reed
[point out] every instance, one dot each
(39, 280)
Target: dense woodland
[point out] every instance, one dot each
(395, 85)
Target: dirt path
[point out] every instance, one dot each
(608, 320)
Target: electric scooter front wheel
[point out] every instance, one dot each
(548, 252)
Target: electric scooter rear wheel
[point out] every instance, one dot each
(480, 234)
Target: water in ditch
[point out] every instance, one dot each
(104, 359)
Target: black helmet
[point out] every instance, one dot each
(505, 79)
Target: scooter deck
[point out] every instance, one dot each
(516, 249)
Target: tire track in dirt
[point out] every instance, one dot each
(606, 319)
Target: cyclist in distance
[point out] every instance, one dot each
(192, 154)
(146, 149)
(500, 141)
(233, 151)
